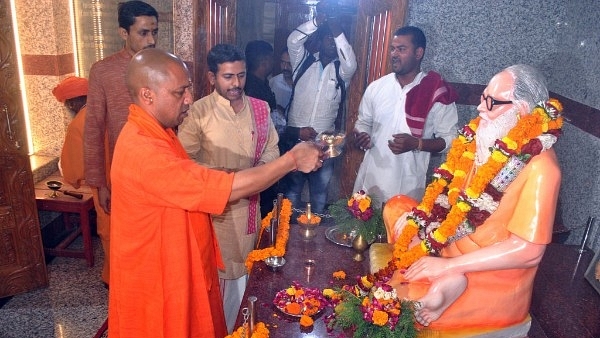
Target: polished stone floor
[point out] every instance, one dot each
(74, 305)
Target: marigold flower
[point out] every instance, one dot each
(306, 321)
(339, 274)
(380, 317)
(293, 308)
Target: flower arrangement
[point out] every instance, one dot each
(260, 331)
(300, 301)
(449, 210)
(283, 234)
(375, 311)
(358, 214)
(315, 219)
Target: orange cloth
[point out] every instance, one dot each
(71, 157)
(501, 298)
(71, 163)
(164, 255)
(70, 88)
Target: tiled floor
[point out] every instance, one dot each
(73, 306)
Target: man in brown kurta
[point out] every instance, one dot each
(108, 103)
(164, 255)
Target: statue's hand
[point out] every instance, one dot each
(428, 268)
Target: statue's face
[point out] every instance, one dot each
(499, 95)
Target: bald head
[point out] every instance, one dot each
(149, 68)
(159, 83)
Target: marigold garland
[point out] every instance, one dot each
(447, 204)
(283, 234)
(260, 331)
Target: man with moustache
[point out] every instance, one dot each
(403, 117)
(230, 131)
(108, 103)
(164, 280)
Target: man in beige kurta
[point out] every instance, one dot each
(222, 131)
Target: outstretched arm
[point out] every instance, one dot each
(512, 253)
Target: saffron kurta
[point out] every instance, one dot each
(164, 255)
(498, 299)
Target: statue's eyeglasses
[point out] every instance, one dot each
(490, 101)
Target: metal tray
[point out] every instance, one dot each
(339, 237)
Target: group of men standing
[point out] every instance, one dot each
(182, 192)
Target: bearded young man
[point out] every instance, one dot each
(488, 215)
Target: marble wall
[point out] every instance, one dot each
(46, 47)
(471, 40)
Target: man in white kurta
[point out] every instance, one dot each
(381, 115)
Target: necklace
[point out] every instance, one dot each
(450, 208)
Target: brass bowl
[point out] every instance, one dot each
(307, 230)
(334, 143)
(275, 263)
(54, 185)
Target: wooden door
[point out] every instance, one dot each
(22, 265)
(377, 20)
(214, 23)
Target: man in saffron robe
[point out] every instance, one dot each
(72, 92)
(483, 281)
(164, 255)
(403, 117)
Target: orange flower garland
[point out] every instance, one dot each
(451, 175)
(283, 234)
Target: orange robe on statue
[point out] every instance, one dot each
(498, 299)
(164, 253)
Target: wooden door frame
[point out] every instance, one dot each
(205, 36)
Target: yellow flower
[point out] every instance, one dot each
(459, 173)
(328, 293)
(364, 204)
(498, 156)
(365, 282)
(469, 155)
(439, 237)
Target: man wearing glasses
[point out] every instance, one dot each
(403, 118)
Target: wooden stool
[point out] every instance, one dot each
(68, 204)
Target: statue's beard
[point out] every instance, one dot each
(491, 130)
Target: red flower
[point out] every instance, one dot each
(532, 148)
